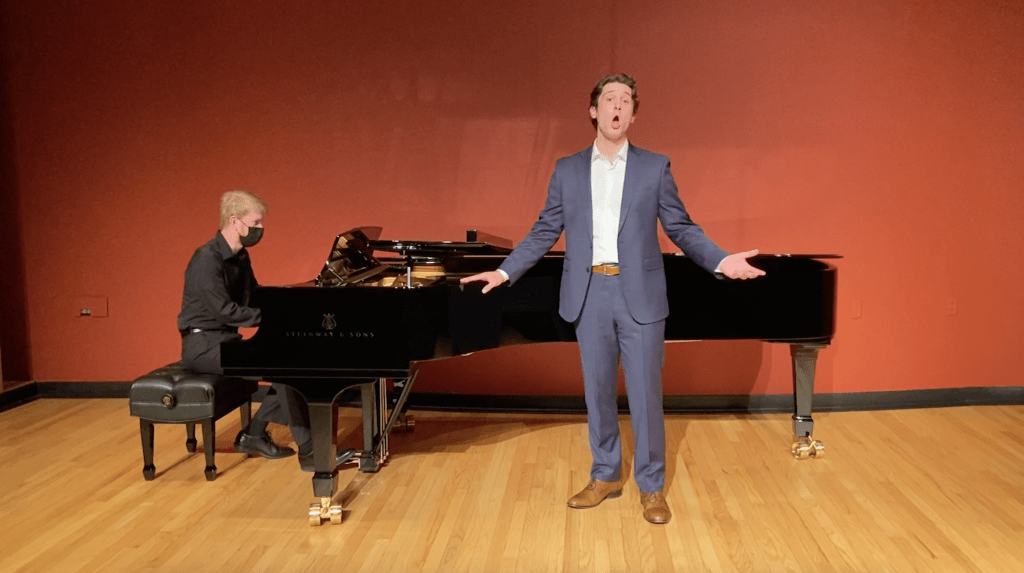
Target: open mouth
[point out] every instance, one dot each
(616, 122)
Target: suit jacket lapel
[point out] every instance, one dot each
(630, 183)
(588, 195)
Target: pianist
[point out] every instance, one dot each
(608, 199)
(218, 283)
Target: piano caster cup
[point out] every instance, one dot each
(807, 447)
(324, 510)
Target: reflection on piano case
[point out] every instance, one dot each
(367, 319)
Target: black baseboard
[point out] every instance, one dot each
(755, 404)
(83, 389)
(751, 404)
(18, 395)
(34, 390)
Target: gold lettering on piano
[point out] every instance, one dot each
(329, 334)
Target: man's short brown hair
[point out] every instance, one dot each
(239, 204)
(614, 78)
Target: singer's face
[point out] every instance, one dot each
(614, 111)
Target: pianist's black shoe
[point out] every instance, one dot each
(261, 445)
(306, 460)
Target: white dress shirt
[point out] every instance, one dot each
(606, 181)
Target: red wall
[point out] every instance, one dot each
(889, 132)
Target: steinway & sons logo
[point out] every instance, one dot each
(329, 326)
(329, 323)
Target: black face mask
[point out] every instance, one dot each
(254, 236)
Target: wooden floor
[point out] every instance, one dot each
(907, 490)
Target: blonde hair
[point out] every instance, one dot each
(239, 204)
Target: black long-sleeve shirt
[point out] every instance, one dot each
(218, 284)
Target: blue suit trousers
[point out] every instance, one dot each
(606, 331)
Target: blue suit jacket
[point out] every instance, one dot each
(649, 193)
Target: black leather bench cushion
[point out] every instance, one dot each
(173, 394)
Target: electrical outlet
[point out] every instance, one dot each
(856, 309)
(951, 307)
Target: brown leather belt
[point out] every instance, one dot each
(610, 270)
(189, 331)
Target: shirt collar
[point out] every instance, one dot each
(595, 154)
(225, 250)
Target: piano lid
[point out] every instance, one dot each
(446, 249)
(351, 259)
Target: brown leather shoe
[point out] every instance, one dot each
(595, 492)
(655, 507)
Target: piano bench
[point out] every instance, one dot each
(173, 395)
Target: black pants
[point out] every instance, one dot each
(283, 405)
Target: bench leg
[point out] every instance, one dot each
(190, 441)
(209, 443)
(146, 431)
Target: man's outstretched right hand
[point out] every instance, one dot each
(492, 278)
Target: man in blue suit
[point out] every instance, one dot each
(608, 199)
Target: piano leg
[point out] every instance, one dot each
(323, 424)
(323, 421)
(805, 357)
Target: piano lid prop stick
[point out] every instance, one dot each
(401, 402)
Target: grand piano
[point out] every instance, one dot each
(378, 307)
